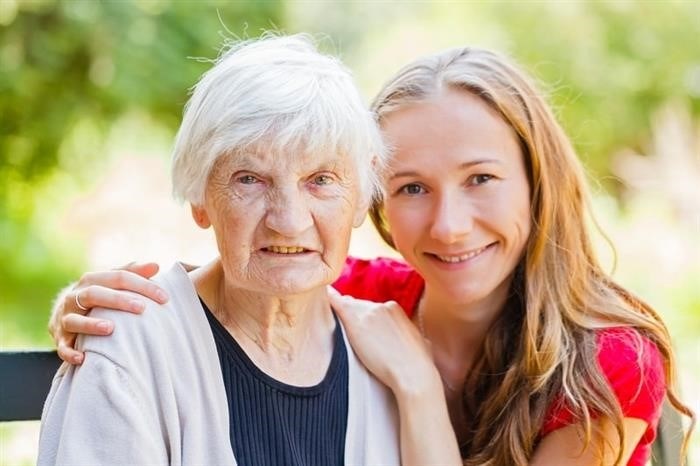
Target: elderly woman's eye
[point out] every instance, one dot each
(247, 179)
(322, 180)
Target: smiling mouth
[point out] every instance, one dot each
(455, 259)
(286, 249)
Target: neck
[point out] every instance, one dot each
(280, 334)
(457, 333)
(457, 330)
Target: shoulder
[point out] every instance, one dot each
(378, 265)
(359, 272)
(372, 415)
(624, 351)
(634, 368)
(158, 327)
(381, 279)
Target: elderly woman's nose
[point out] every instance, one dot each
(288, 213)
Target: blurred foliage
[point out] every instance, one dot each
(68, 71)
(611, 66)
(72, 71)
(607, 64)
(72, 65)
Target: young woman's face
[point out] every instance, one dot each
(457, 196)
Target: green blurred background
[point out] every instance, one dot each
(91, 93)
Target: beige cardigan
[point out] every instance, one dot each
(153, 393)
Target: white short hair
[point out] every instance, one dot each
(280, 94)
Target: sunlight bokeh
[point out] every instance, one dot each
(92, 92)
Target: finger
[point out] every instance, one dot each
(347, 315)
(76, 323)
(70, 304)
(70, 355)
(100, 296)
(145, 269)
(333, 295)
(123, 280)
(338, 302)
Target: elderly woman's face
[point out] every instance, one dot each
(282, 221)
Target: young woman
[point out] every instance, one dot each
(541, 356)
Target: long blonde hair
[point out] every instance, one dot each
(543, 346)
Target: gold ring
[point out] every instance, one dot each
(80, 306)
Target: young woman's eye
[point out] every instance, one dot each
(322, 180)
(481, 178)
(412, 189)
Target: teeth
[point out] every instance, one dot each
(285, 249)
(455, 259)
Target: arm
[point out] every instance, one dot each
(634, 368)
(99, 289)
(427, 436)
(406, 367)
(565, 445)
(99, 414)
(388, 344)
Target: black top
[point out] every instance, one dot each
(272, 423)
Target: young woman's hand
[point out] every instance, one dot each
(393, 349)
(387, 343)
(100, 289)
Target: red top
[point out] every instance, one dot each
(631, 362)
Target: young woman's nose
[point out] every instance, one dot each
(288, 213)
(452, 219)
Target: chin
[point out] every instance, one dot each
(288, 286)
(466, 295)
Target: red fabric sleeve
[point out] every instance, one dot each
(634, 368)
(381, 280)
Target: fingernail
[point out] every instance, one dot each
(104, 326)
(137, 305)
(77, 359)
(162, 297)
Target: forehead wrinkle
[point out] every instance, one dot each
(295, 161)
(322, 160)
(245, 160)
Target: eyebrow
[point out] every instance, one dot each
(249, 161)
(462, 166)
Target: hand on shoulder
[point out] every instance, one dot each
(113, 289)
(388, 344)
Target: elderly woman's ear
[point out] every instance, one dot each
(200, 216)
(366, 198)
(362, 208)
(360, 213)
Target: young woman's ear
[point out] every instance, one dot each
(200, 216)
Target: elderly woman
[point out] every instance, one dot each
(249, 364)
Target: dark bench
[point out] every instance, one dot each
(25, 378)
